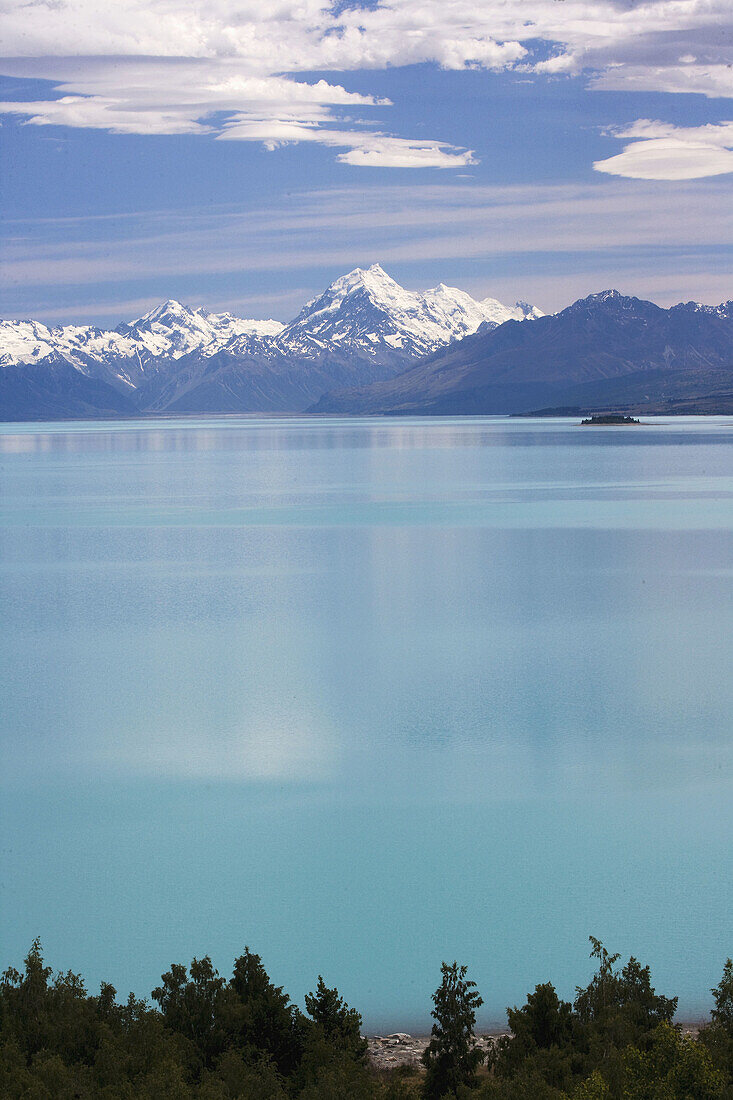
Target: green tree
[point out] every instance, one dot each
(261, 1018)
(722, 1014)
(671, 1068)
(451, 1058)
(592, 1002)
(540, 1040)
(256, 1081)
(593, 1088)
(341, 1025)
(191, 1004)
(25, 1000)
(618, 1007)
(544, 1021)
(718, 1035)
(43, 1011)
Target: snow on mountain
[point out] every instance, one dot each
(173, 330)
(604, 351)
(365, 311)
(364, 327)
(725, 309)
(24, 342)
(95, 352)
(166, 332)
(369, 311)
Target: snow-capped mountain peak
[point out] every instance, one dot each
(24, 342)
(499, 313)
(725, 309)
(166, 311)
(363, 327)
(370, 312)
(172, 329)
(373, 283)
(373, 279)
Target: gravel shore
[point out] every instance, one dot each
(401, 1049)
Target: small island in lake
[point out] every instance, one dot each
(611, 418)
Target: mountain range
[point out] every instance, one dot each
(364, 328)
(368, 346)
(606, 351)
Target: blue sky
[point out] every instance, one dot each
(535, 149)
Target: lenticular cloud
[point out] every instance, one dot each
(665, 152)
(230, 70)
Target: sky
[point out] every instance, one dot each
(241, 155)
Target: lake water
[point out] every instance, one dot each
(369, 694)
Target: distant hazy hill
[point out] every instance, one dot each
(604, 349)
(363, 328)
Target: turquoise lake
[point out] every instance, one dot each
(365, 695)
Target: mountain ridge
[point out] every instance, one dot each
(362, 328)
(606, 347)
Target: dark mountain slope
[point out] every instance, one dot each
(52, 389)
(604, 348)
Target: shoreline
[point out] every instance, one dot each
(399, 1048)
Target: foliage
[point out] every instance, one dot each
(618, 1008)
(192, 1005)
(579, 1047)
(722, 1014)
(527, 1082)
(341, 1025)
(594, 1087)
(672, 1068)
(540, 1040)
(619, 1003)
(717, 1037)
(212, 1038)
(452, 1057)
(262, 1020)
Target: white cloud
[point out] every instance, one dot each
(143, 95)
(97, 112)
(182, 96)
(293, 35)
(666, 152)
(714, 81)
(713, 133)
(379, 151)
(172, 66)
(363, 149)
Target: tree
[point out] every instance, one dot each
(47, 1011)
(592, 1002)
(451, 1057)
(718, 1035)
(540, 1040)
(544, 1021)
(671, 1068)
(256, 1081)
(722, 1014)
(191, 1005)
(26, 999)
(593, 1088)
(619, 1007)
(334, 1058)
(341, 1025)
(261, 1017)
